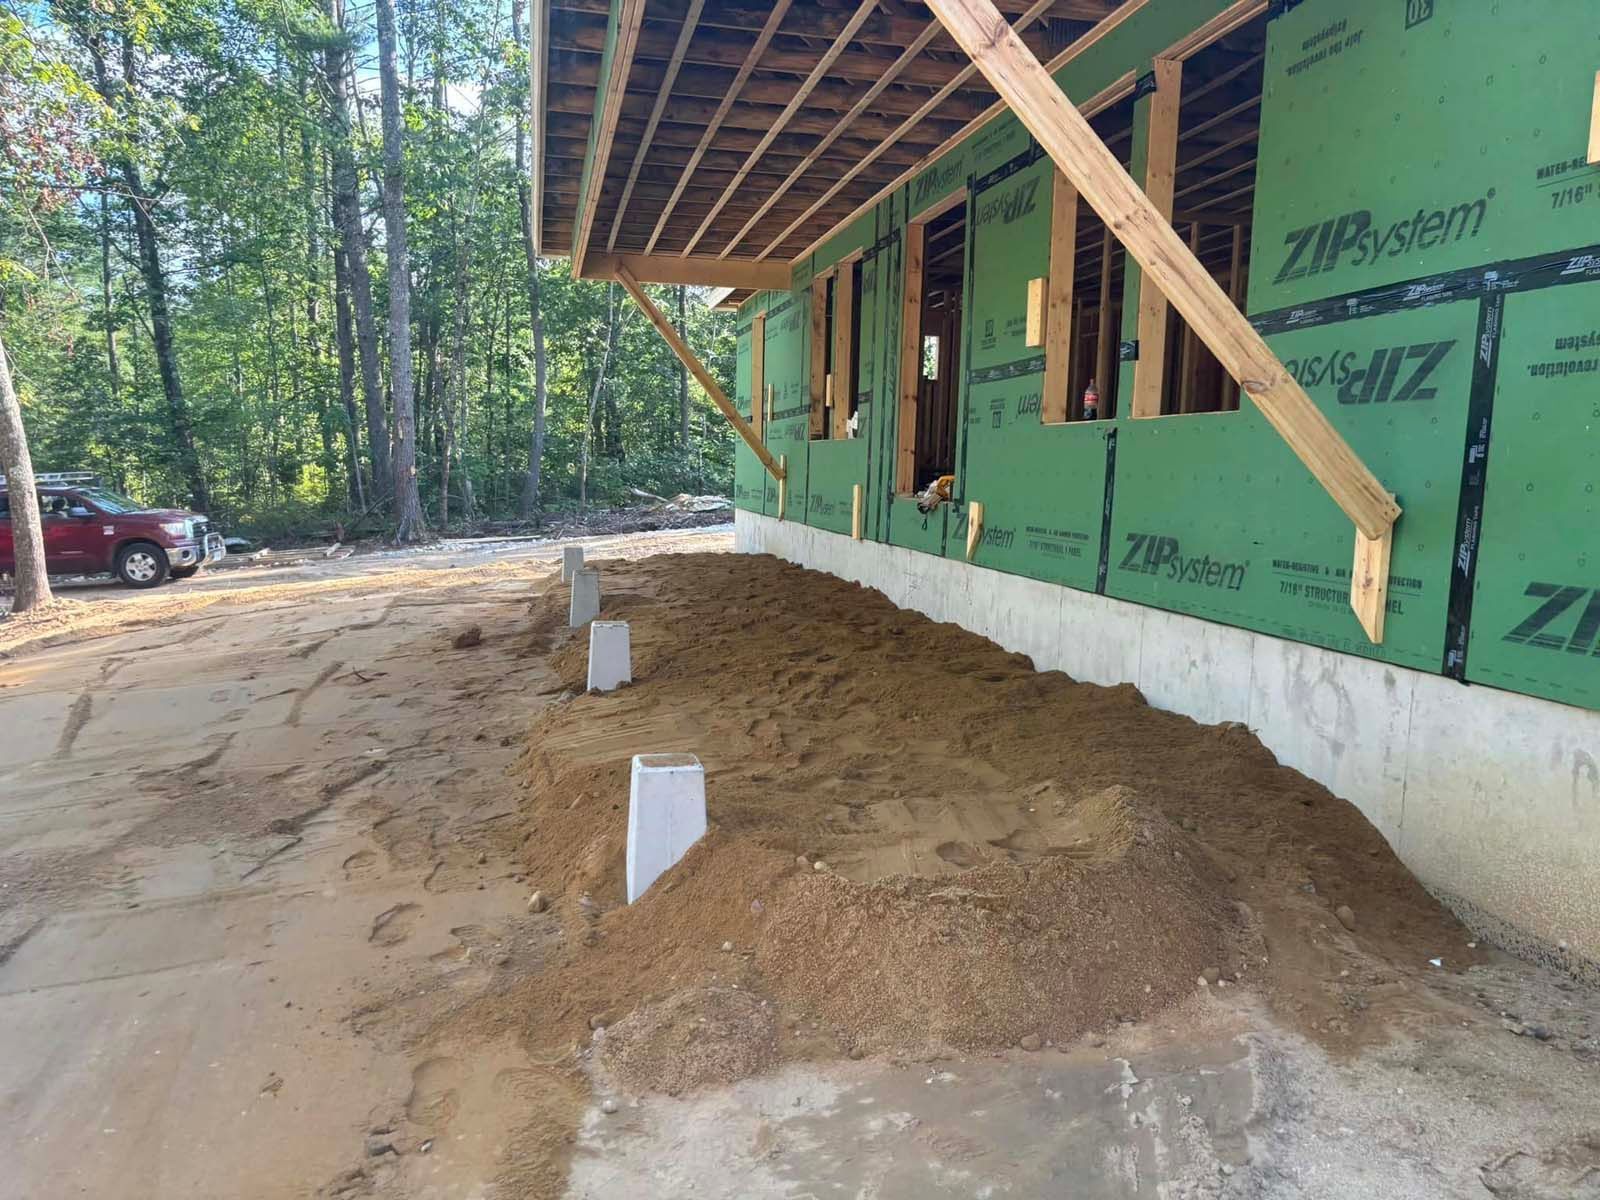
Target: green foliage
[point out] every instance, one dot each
(228, 123)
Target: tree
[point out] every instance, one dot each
(410, 525)
(530, 488)
(42, 110)
(353, 250)
(32, 581)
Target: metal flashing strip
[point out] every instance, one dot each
(1474, 476)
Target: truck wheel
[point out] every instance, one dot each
(184, 572)
(142, 565)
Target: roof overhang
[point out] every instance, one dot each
(717, 142)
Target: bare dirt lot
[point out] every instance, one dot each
(267, 842)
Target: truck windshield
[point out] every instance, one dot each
(110, 502)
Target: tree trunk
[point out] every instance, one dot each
(345, 342)
(594, 396)
(352, 240)
(530, 487)
(683, 372)
(155, 285)
(113, 367)
(410, 526)
(27, 535)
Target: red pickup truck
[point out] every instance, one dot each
(89, 529)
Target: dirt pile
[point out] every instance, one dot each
(703, 1036)
(1007, 855)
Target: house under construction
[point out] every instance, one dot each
(1247, 352)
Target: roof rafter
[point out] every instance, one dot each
(1025, 19)
(690, 20)
(609, 107)
(933, 30)
(775, 18)
(863, 11)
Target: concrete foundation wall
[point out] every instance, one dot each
(1491, 798)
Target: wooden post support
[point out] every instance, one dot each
(855, 511)
(1033, 322)
(844, 289)
(974, 527)
(1369, 581)
(1161, 165)
(687, 357)
(1056, 404)
(1230, 388)
(1594, 125)
(980, 29)
(783, 486)
(1189, 366)
(1104, 344)
(910, 363)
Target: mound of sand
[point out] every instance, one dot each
(702, 1036)
(1009, 854)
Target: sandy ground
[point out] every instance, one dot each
(264, 863)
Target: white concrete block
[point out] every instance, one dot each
(666, 815)
(610, 655)
(571, 562)
(585, 597)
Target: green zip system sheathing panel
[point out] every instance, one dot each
(1423, 259)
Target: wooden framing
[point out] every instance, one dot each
(750, 433)
(1594, 125)
(1161, 165)
(1106, 26)
(857, 498)
(1230, 386)
(691, 19)
(888, 76)
(1022, 81)
(844, 281)
(815, 424)
(1105, 361)
(1056, 405)
(780, 9)
(1189, 365)
(910, 383)
(974, 527)
(538, 51)
(863, 11)
(697, 272)
(608, 109)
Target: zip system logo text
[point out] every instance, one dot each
(1392, 374)
(1156, 554)
(1356, 239)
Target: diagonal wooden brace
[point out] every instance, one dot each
(687, 357)
(980, 29)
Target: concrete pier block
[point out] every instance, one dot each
(585, 597)
(610, 655)
(666, 815)
(571, 562)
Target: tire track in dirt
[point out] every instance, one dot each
(308, 691)
(77, 718)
